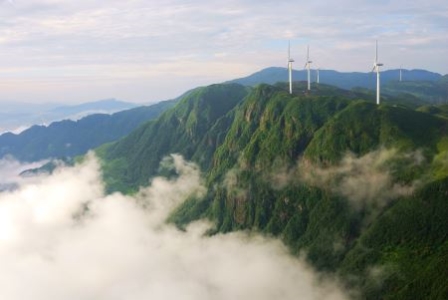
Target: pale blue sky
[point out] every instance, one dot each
(140, 50)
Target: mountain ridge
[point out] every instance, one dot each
(67, 138)
(428, 86)
(264, 163)
(16, 117)
(345, 80)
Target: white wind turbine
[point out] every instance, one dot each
(308, 66)
(376, 68)
(290, 61)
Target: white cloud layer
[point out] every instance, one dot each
(152, 50)
(11, 169)
(62, 238)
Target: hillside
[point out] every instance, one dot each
(71, 138)
(359, 189)
(180, 130)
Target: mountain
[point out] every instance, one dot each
(358, 189)
(83, 109)
(71, 138)
(18, 116)
(415, 82)
(345, 80)
(179, 130)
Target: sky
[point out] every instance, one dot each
(61, 237)
(147, 51)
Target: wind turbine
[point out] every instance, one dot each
(290, 61)
(400, 73)
(307, 66)
(317, 75)
(376, 68)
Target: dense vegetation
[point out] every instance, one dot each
(361, 189)
(132, 162)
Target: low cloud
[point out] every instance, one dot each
(365, 181)
(11, 169)
(61, 237)
(232, 184)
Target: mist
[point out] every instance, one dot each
(10, 170)
(61, 237)
(366, 180)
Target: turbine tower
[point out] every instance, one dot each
(400, 73)
(317, 75)
(290, 61)
(308, 66)
(376, 68)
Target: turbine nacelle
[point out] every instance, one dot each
(290, 61)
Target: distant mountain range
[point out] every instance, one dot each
(429, 86)
(77, 134)
(344, 80)
(69, 138)
(100, 106)
(16, 117)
